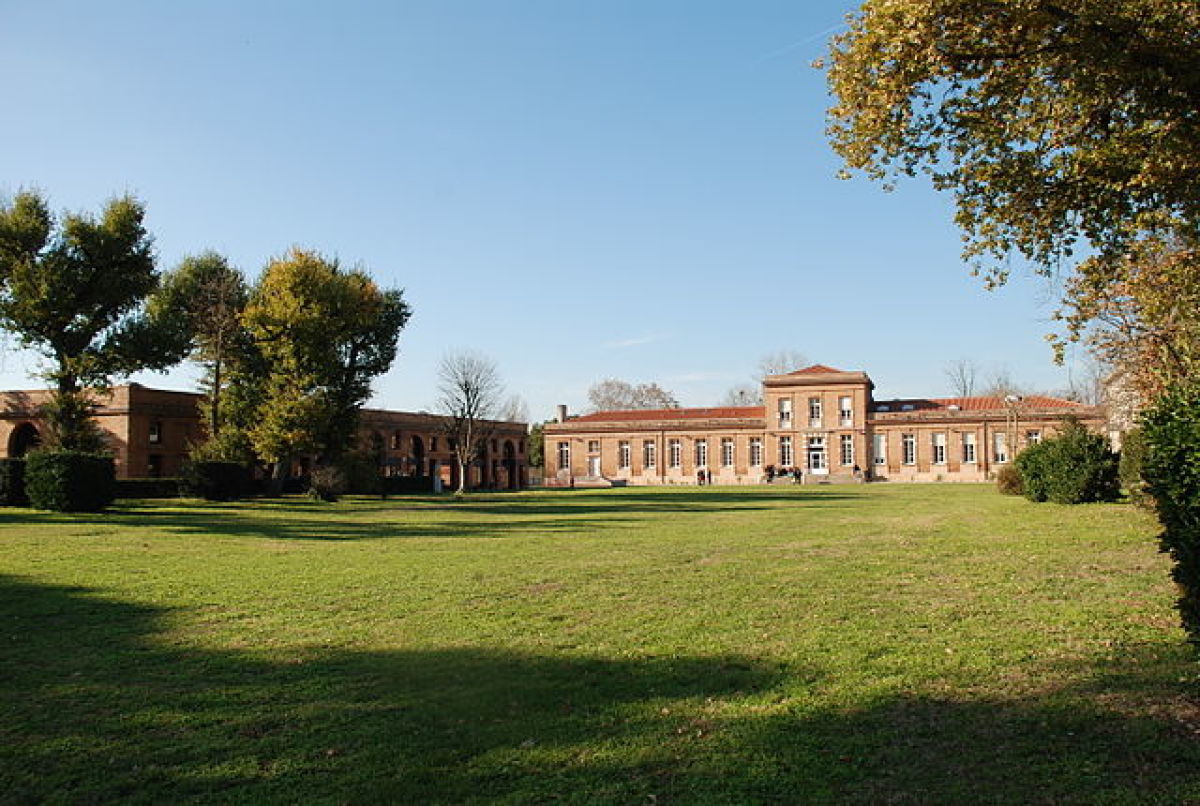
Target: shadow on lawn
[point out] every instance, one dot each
(97, 708)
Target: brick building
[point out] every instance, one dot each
(149, 431)
(823, 421)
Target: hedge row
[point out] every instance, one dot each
(70, 481)
(1075, 467)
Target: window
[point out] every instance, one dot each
(845, 411)
(968, 442)
(814, 412)
(1033, 437)
(649, 453)
(785, 412)
(624, 455)
(939, 449)
(702, 453)
(593, 446)
(908, 446)
(879, 448)
(816, 453)
(726, 452)
(756, 451)
(785, 451)
(155, 432)
(397, 441)
(564, 455)
(1000, 447)
(847, 449)
(674, 453)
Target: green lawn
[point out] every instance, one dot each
(886, 643)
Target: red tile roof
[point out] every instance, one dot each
(976, 403)
(815, 369)
(723, 413)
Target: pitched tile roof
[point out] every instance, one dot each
(722, 413)
(815, 369)
(975, 403)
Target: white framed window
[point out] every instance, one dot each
(1000, 447)
(564, 455)
(1033, 437)
(593, 446)
(674, 453)
(814, 412)
(968, 443)
(785, 412)
(908, 449)
(756, 452)
(649, 454)
(879, 449)
(847, 449)
(727, 452)
(845, 411)
(155, 432)
(939, 448)
(816, 453)
(785, 451)
(702, 453)
(624, 455)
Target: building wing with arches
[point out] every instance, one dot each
(149, 432)
(820, 421)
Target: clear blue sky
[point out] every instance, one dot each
(637, 189)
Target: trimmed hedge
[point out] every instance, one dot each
(148, 488)
(216, 481)
(1075, 467)
(1172, 472)
(1133, 456)
(70, 481)
(12, 483)
(398, 485)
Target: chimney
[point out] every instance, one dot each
(562, 412)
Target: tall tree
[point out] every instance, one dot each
(962, 375)
(469, 395)
(612, 394)
(73, 288)
(324, 333)
(204, 297)
(1054, 122)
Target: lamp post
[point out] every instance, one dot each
(1012, 420)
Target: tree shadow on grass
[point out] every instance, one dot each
(100, 705)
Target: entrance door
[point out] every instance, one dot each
(594, 466)
(816, 456)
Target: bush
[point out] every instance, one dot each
(216, 481)
(1171, 468)
(362, 474)
(1008, 481)
(12, 483)
(70, 481)
(148, 488)
(326, 483)
(1076, 467)
(395, 485)
(1133, 456)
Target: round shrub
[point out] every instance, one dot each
(1171, 429)
(1075, 467)
(1008, 481)
(327, 483)
(70, 481)
(1033, 466)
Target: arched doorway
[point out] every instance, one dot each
(417, 456)
(24, 438)
(510, 466)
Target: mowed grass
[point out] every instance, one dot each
(875, 644)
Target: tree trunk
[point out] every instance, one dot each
(278, 474)
(462, 474)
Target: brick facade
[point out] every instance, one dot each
(819, 420)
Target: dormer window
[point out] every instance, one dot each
(907, 407)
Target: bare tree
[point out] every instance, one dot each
(612, 394)
(962, 375)
(514, 409)
(744, 394)
(1086, 382)
(1001, 384)
(781, 362)
(469, 395)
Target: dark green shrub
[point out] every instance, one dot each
(1008, 481)
(216, 481)
(148, 488)
(362, 475)
(69, 481)
(1133, 456)
(1171, 468)
(12, 483)
(397, 485)
(326, 483)
(1075, 467)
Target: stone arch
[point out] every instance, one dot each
(23, 439)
